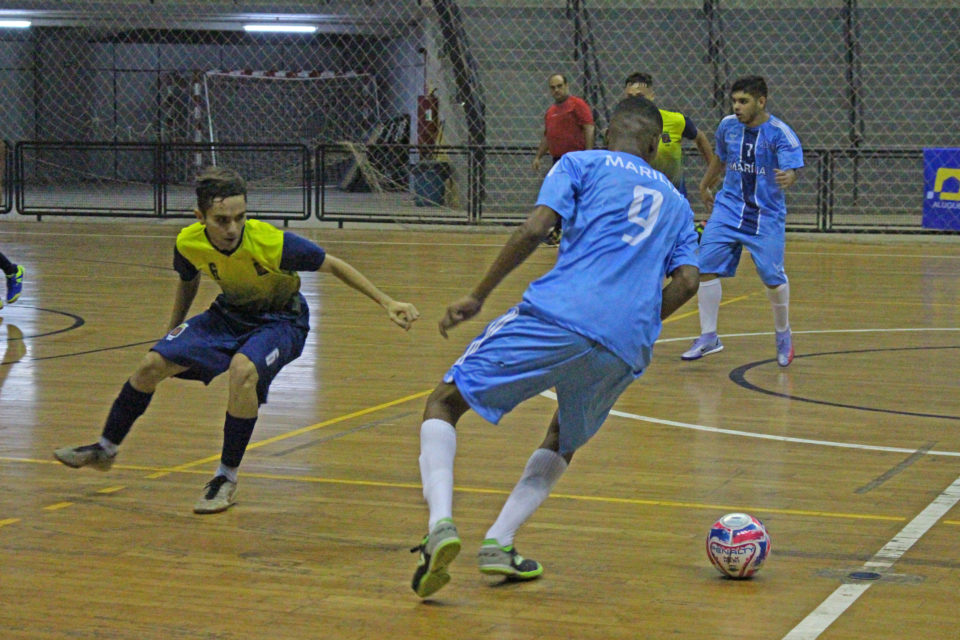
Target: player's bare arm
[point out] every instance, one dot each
(542, 149)
(785, 179)
(703, 146)
(402, 314)
(589, 134)
(182, 299)
(710, 178)
(521, 243)
(684, 282)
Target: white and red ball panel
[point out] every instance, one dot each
(737, 545)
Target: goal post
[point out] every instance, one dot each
(277, 106)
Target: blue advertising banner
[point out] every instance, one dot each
(941, 182)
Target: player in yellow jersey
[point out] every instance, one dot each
(676, 127)
(257, 324)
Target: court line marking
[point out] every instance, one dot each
(896, 469)
(501, 492)
(766, 436)
(57, 506)
(681, 316)
(846, 594)
(296, 432)
(815, 332)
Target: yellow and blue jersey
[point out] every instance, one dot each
(257, 277)
(669, 157)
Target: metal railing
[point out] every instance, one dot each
(851, 190)
(148, 180)
(6, 175)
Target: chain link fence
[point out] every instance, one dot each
(432, 110)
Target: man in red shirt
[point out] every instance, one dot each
(567, 126)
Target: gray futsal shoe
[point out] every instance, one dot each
(505, 561)
(90, 455)
(437, 550)
(218, 495)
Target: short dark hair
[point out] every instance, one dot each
(642, 78)
(218, 183)
(756, 86)
(639, 107)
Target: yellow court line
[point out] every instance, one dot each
(56, 506)
(681, 316)
(503, 492)
(603, 499)
(110, 489)
(296, 432)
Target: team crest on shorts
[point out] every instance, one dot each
(176, 331)
(272, 356)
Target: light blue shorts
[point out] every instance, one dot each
(519, 355)
(721, 246)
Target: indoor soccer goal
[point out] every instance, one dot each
(264, 107)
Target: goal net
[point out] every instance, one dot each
(263, 107)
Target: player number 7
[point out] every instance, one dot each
(642, 196)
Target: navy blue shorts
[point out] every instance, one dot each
(207, 342)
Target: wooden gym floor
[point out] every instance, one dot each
(851, 456)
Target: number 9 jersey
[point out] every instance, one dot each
(625, 228)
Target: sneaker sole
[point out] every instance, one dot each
(702, 353)
(510, 572)
(203, 510)
(436, 576)
(99, 466)
(209, 510)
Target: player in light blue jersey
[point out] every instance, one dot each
(587, 327)
(760, 155)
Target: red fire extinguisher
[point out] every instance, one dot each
(428, 122)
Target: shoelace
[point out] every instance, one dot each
(214, 486)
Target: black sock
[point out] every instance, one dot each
(128, 406)
(6, 266)
(236, 437)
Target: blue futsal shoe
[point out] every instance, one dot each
(14, 285)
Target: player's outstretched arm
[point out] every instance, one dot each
(403, 314)
(182, 299)
(521, 243)
(684, 282)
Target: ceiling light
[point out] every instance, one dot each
(280, 28)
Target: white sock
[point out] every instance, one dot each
(438, 445)
(543, 470)
(108, 446)
(780, 299)
(708, 300)
(230, 472)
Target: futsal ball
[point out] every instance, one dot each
(737, 545)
